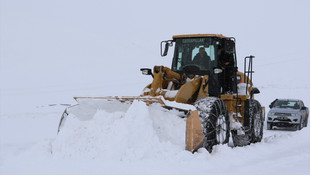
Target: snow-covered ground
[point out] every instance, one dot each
(51, 51)
(137, 140)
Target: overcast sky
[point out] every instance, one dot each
(65, 42)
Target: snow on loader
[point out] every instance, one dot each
(205, 83)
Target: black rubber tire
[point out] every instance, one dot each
(253, 125)
(304, 123)
(256, 114)
(301, 125)
(269, 126)
(214, 120)
(298, 127)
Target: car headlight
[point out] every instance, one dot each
(271, 113)
(295, 115)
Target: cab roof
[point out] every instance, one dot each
(200, 35)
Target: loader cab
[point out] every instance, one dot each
(187, 50)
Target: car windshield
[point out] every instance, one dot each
(286, 104)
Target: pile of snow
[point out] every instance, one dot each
(140, 133)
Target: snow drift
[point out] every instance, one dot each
(139, 133)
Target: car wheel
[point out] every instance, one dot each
(305, 123)
(269, 126)
(298, 127)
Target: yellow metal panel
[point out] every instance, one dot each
(187, 90)
(204, 91)
(264, 112)
(199, 35)
(194, 134)
(157, 81)
(148, 100)
(235, 105)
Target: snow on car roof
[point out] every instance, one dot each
(286, 99)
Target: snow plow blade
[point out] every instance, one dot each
(88, 106)
(194, 133)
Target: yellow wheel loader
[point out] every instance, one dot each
(204, 82)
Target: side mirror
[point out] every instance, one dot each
(167, 45)
(272, 103)
(147, 71)
(254, 91)
(303, 108)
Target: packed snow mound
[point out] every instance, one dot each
(140, 133)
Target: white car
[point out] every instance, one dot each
(287, 113)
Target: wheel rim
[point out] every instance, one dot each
(221, 129)
(257, 125)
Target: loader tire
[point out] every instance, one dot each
(214, 120)
(253, 125)
(256, 115)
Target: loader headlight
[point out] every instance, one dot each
(146, 71)
(239, 79)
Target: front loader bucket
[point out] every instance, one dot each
(194, 133)
(88, 106)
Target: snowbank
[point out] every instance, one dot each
(138, 134)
